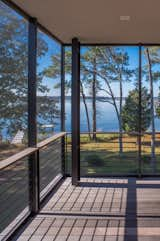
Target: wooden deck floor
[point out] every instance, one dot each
(99, 209)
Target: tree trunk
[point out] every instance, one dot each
(153, 157)
(120, 138)
(94, 124)
(111, 93)
(120, 117)
(86, 110)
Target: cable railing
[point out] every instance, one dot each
(16, 194)
(103, 156)
(98, 157)
(51, 162)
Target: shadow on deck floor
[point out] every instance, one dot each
(112, 209)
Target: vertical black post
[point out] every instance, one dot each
(140, 113)
(32, 126)
(63, 105)
(75, 111)
(62, 88)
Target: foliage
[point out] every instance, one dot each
(14, 72)
(130, 111)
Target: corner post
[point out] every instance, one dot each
(140, 113)
(32, 122)
(75, 111)
(63, 106)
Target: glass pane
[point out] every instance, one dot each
(150, 82)
(68, 79)
(14, 194)
(13, 78)
(49, 86)
(50, 165)
(109, 84)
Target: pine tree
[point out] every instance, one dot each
(152, 55)
(130, 111)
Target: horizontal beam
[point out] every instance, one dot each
(113, 44)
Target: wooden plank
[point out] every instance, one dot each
(26, 152)
(99, 211)
(50, 139)
(9, 161)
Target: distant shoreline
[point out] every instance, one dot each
(88, 97)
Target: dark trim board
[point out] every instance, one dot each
(114, 44)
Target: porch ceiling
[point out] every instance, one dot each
(98, 21)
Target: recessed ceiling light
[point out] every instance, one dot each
(124, 18)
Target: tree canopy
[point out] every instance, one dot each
(14, 73)
(130, 111)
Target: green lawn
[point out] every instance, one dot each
(102, 156)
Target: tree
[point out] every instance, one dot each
(14, 73)
(100, 67)
(89, 62)
(53, 72)
(152, 55)
(130, 111)
(112, 66)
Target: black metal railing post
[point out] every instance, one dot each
(66, 154)
(63, 107)
(63, 156)
(62, 88)
(32, 124)
(34, 183)
(75, 111)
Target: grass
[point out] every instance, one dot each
(102, 156)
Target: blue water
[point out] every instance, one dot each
(106, 117)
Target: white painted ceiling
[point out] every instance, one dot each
(98, 21)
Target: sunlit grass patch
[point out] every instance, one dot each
(102, 157)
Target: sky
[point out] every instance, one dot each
(55, 48)
(132, 51)
(45, 61)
